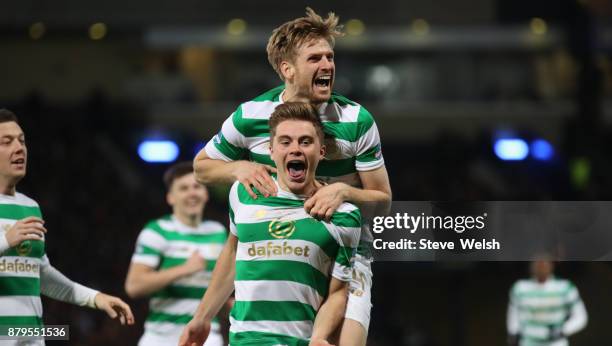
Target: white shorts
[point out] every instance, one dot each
(151, 339)
(360, 296)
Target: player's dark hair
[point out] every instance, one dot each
(177, 171)
(296, 111)
(287, 38)
(7, 116)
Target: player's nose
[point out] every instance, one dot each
(326, 64)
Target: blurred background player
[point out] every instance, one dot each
(174, 259)
(291, 271)
(25, 270)
(301, 52)
(544, 310)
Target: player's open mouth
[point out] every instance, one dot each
(296, 170)
(18, 162)
(323, 82)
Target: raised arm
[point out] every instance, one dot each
(376, 192)
(215, 171)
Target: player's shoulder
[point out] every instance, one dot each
(24, 200)
(347, 105)
(257, 109)
(19, 205)
(562, 284)
(212, 226)
(347, 215)
(260, 106)
(159, 225)
(239, 195)
(522, 285)
(272, 95)
(351, 112)
(341, 100)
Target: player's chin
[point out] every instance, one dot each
(319, 95)
(297, 184)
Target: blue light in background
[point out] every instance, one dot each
(158, 151)
(197, 147)
(511, 149)
(541, 149)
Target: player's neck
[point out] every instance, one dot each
(7, 187)
(308, 189)
(291, 94)
(189, 220)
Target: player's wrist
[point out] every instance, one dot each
(345, 192)
(203, 317)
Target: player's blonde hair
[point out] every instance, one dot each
(287, 38)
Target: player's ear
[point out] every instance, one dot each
(287, 70)
(323, 150)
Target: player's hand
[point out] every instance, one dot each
(256, 175)
(326, 201)
(194, 263)
(319, 342)
(195, 333)
(555, 332)
(30, 228)
(115, 307)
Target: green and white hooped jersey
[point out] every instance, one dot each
(165, 243)
(20, 266)
(352, 140)
(542, 306)
(284, 263)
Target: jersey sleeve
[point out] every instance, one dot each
(577, 319)
(229, 144)
(346, 227)
(368, 148)
(149, 247)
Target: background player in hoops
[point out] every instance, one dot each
(544, 310)
(301, 52)
(25, 271)
(174, 259)
(291, 270)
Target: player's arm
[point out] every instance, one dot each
(56, 285)
(331, 312)
(376, 191)
(143, 280)
(220, 288)
(369, 163)
(214, 171)
(29, 228)
(578, 315)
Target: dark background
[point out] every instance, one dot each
(442, 78)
